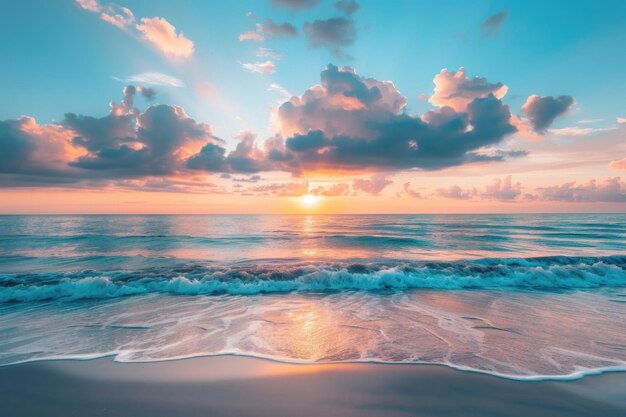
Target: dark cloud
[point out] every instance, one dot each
(333, 33)
(296, 5)
(492, 25)
(346, 123)
(356, 123)
(374, 185)
(542, 110)
(246, 158)
(349, 7)
(155, 149)
(271, 29)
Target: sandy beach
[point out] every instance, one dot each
(240, 386)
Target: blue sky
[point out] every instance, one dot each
(69, 56)
(61, 58)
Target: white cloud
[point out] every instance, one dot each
(153, 78)
(266, 67)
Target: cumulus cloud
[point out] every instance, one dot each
(266, 67)
(251, 35)
(455, 90)
(296, 5)
(608, 190)
(374, 185)
(156, 31)
(346, 123)
(351, 122)
(333, 33)
(492, 25)
(349, 7)
(541, 111)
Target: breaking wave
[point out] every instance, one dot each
(540, 274)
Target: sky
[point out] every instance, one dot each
(312, 106)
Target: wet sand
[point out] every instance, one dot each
(239, 386)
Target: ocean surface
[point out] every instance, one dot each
(520, 296)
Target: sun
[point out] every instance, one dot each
(309, 200)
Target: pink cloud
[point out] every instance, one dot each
(374, 185)
(619, 164)
(266, 67)
(455, 90)
(251, 36)
(162, 34)
(155, 30)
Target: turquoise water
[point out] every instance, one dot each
(523, 296)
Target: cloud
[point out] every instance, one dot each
(499, 189)
(333, 33)
(116, 15)
(153, 78)
(269, 29)
(455, 90)
(492, 25)
(502, 189)
(157, 31)
(335, 190)
(277, 88)
(251, 35)
(266, 67)
(354, 123)
(608, 190)
(618, 164)
(290, 189)
(252, 179)
(346, 124)
(374, 185)
(542, 110)
(296, 5)
(162, 34)
(349, 7)
(246, 158)
(32, 150)
(268, 53)
(578, 131)
(455, 192)
(410, 192)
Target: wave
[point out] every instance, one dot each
(539, 274)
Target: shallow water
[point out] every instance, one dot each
(523, 296)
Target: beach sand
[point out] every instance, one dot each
(240, 386)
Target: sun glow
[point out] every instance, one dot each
(309, 200)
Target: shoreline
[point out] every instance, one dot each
(575, 376)
(233, 385)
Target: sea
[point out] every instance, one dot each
(524, 296)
